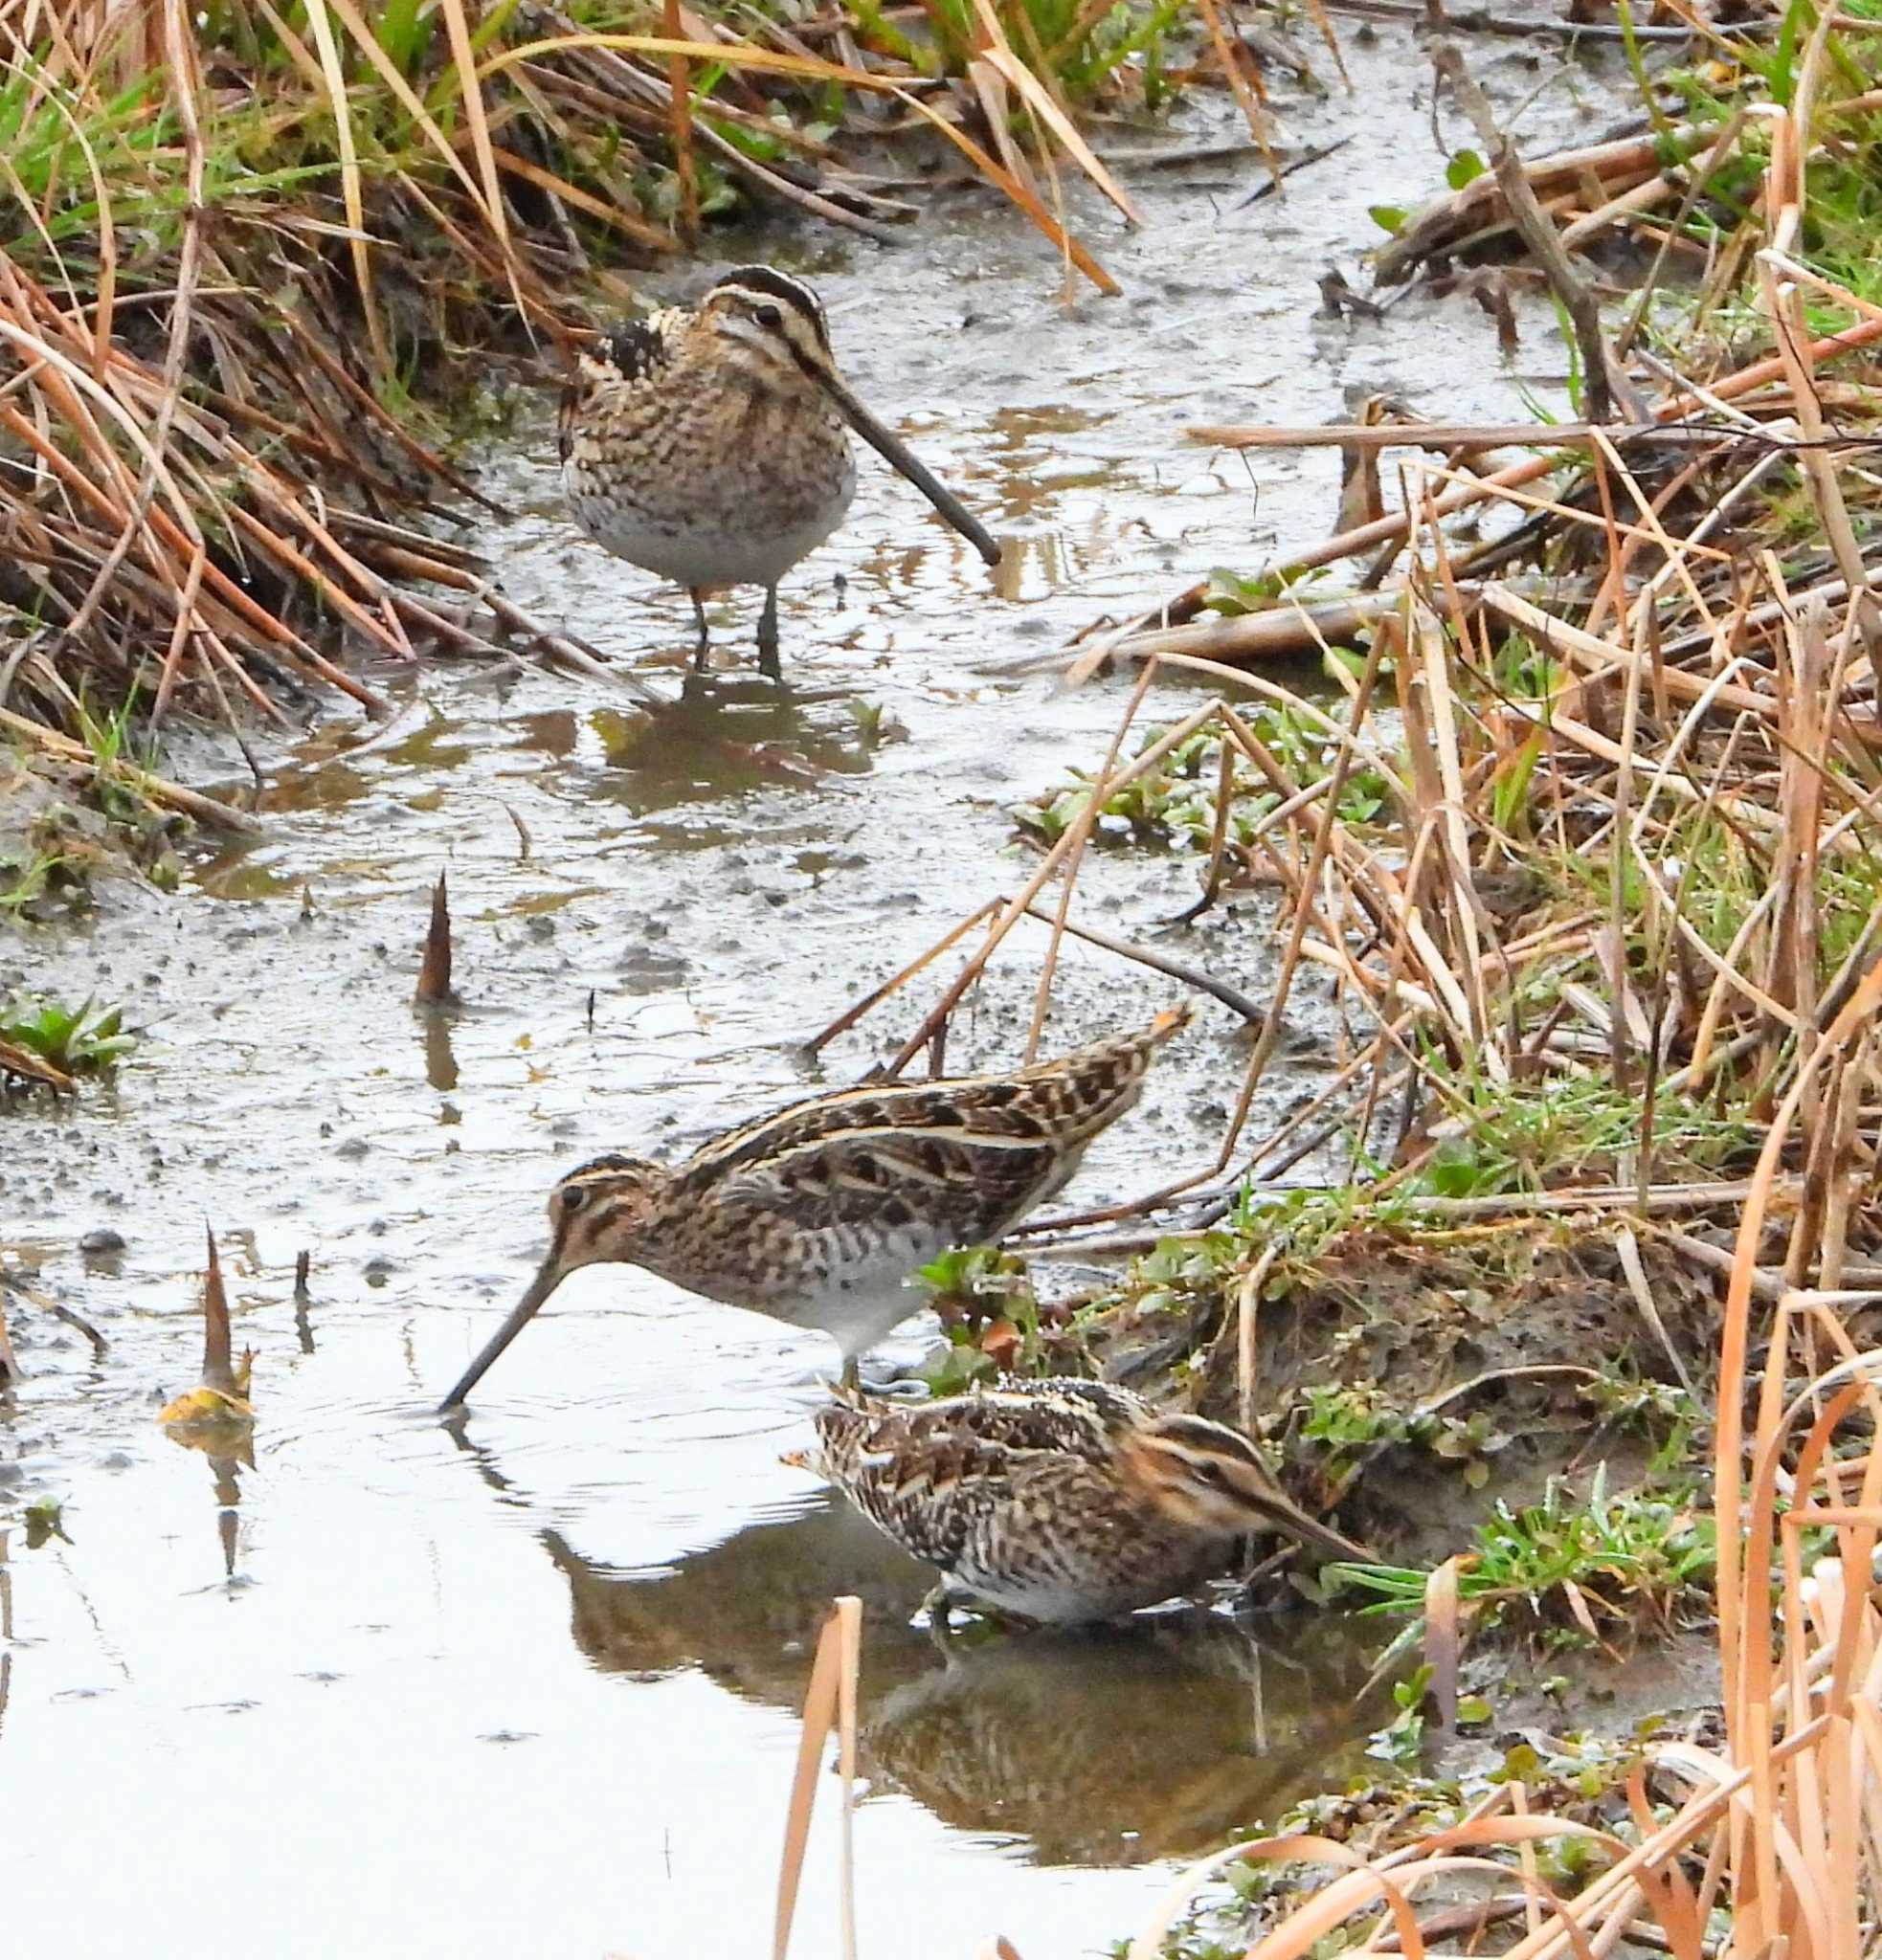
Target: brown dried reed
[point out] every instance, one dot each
(1627, 848)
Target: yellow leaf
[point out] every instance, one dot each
(207, 1405)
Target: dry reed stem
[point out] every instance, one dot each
(1214, 985)
(1076, 839)
(1601, 381)
(999, 56)
(1248, 1310)
(434, 988)
(1675, 740)
(25, 1066)
(680, 124)
(894, 984)
(156, 789)
(360, 240)
(1053, 860)
(1244, 94)
(829, 1702)
(1394, 528)
(807, 68)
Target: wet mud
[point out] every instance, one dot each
(527, 1684)
(1511, 1328)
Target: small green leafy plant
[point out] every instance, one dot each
(81, 1040)
(1640, 1555)
(1351, 1419)
(1401, 1738)
(989, 1314)
(1497, 1138)
(26, 881)
(1178, 802)
(45, 1520)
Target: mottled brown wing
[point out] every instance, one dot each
(1001, 1109)
(1061, 1103)
(1057, 1416)
(890, 1179)
(605, 377)
(930, 1476)
(1082, 1093)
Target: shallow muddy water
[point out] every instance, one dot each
(530, 1685)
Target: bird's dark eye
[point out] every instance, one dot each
(574, 1198)
(1213, 1474)
(768, 315)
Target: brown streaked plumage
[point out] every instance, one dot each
(818, 1212)
(710, 444)
(1060, 1501)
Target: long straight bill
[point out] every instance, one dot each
(1317, 1536)
(548, 1279)
(897, 455)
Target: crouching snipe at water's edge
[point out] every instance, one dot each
(710, 444)
(817, 1214)
(1063, 1502)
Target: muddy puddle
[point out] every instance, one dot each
(530, 1687)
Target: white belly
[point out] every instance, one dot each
(708, 547)
(857, 1292)
(1060, 1604)
(866, 1293)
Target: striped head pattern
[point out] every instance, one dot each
(1209, 1479)
(595, 1211)
(769, 325)
(594, 1217)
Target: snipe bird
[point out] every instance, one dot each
(710, 444)
(818, 1214)
(1061, 1502)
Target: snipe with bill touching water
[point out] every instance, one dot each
(818, 1214)
(710, 444)
(1061, 1502)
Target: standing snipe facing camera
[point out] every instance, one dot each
(710, 444)
(1063, 1502)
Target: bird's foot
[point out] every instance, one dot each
(982, 1621)
(893, 1386)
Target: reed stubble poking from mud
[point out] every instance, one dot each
(434, 989)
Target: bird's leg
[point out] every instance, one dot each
(768, 664)
(705, 640)
(936, 1606)
(851, 1376)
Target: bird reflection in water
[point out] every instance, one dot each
(1150, 1738)
(1147, 1740)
